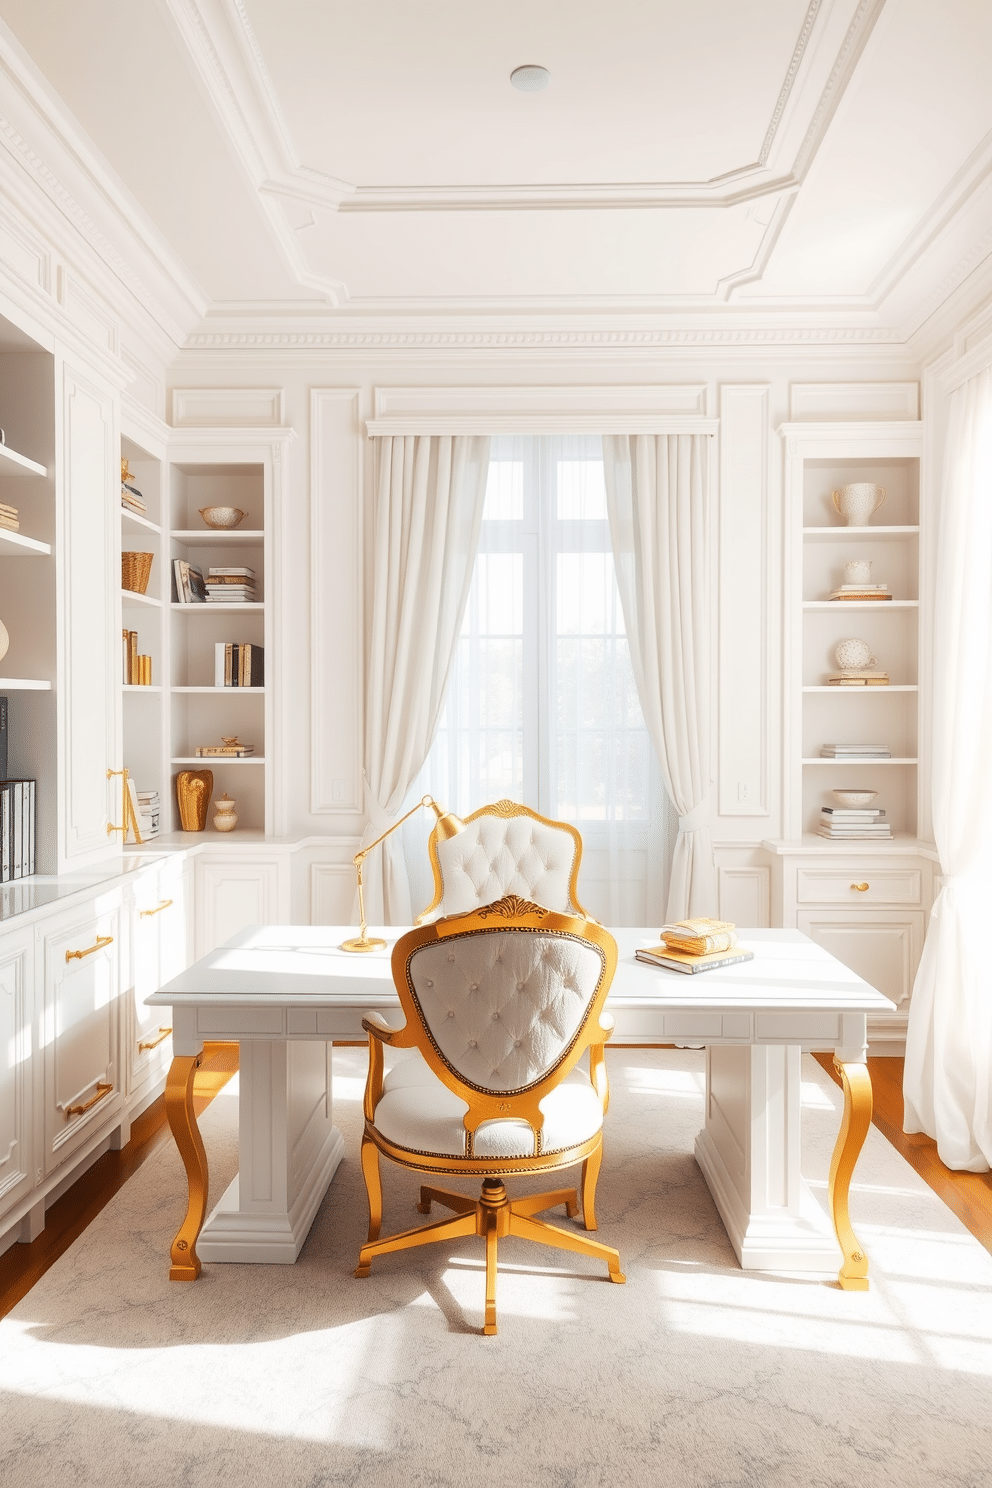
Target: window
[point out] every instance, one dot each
(541, 704)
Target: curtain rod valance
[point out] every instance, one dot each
(541, 423)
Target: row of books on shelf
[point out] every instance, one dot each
(221, 585)
(239, 664)
(9, 517)
(18, 810)
(137, 670)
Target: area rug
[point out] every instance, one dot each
(694, 1373)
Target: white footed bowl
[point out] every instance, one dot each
(853, 798)
(222, 516)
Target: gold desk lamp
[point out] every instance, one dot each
(448, 825)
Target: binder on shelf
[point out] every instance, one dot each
(3, 738)
(17, 829)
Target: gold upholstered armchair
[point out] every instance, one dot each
(500, 1004)
(505, 848)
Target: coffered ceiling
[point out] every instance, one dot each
(817, 160)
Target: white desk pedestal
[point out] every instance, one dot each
(749, 1152)
(288, 1153)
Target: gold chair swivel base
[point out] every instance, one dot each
(493, 1216)
(363, 943)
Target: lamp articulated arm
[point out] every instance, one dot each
(448, 825)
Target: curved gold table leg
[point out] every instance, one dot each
(182, 1120)
(853, 1274)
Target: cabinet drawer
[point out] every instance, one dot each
(859, 886)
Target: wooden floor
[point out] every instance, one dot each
(968, 1195)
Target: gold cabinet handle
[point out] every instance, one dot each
(146, 914)
(101, 941)
(102, 1091)
(163, 1034)
(860, 888)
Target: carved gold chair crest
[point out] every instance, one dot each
(500, 1004)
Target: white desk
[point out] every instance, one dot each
(285, 992)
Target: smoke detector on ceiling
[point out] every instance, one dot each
(530, 78)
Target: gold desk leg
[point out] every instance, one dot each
(182, 1120)
(853, 1274)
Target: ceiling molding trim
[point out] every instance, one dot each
(805, 33)
(859, 31)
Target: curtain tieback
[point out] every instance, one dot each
(379, 821)
(698, 817)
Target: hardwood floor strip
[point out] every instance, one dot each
(22, 1265)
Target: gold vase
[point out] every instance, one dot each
(193, 791)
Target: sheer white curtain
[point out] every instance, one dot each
(429, 496)
(542, 706)
(948, 1069)
(656, 491)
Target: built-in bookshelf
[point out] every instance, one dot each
(144, 707)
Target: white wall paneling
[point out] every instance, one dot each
(516, 409)
(745, 894)
(336, 526)
(745, 558)
(332, 893)
(233, 892)
(854, 400)
(230, 407)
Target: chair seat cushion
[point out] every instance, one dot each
(418, 1112)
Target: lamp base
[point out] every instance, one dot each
(362, 943)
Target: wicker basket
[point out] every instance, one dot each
(135, 571)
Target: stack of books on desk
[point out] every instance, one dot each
(861, 592)
(231, 586)
(9, 517)
(695, 945)
(851, 822)
(855, 751)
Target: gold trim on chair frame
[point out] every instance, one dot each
(492, 1215)
(507, 809)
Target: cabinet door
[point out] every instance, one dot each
(161, 926)
(80, 1029)
(232, 895)
(17, 1161)
(883, 947)
(89, 634)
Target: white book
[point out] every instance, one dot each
(219, 662)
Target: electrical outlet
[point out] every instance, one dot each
(743, 791)
(339, 790)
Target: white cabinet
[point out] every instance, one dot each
(160, 946)
(80, 1024)
(17, 1161)
(87, 609)
(233, 892)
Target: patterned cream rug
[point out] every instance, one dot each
(694, 1373)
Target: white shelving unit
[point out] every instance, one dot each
(865, 900)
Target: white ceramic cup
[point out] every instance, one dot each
(858, 571)
(857, 503)
(853, 654)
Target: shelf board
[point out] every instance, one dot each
(128, 595)
(139, 521)
(861, 604)
(860, 691)
(811, 842)
(20, 461)
(213, 608)
(841, 534)
(16, 545)
(139, 687)
(227, 691)
(818, 759)
(206, 761)
(23, 684)
(210, 537)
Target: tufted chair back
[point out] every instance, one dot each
(506, 849)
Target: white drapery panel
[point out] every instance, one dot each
(429, 495)
(656, 495)
(948, 1069)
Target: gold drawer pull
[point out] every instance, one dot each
(163, 1034)
(101, 1092)
(101, 941)
(146, 914)
(860, 888)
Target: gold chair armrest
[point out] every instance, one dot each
(376, 1025)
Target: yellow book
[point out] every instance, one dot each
(660, 955)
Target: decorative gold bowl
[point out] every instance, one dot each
(854, 798)
(222, 516)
